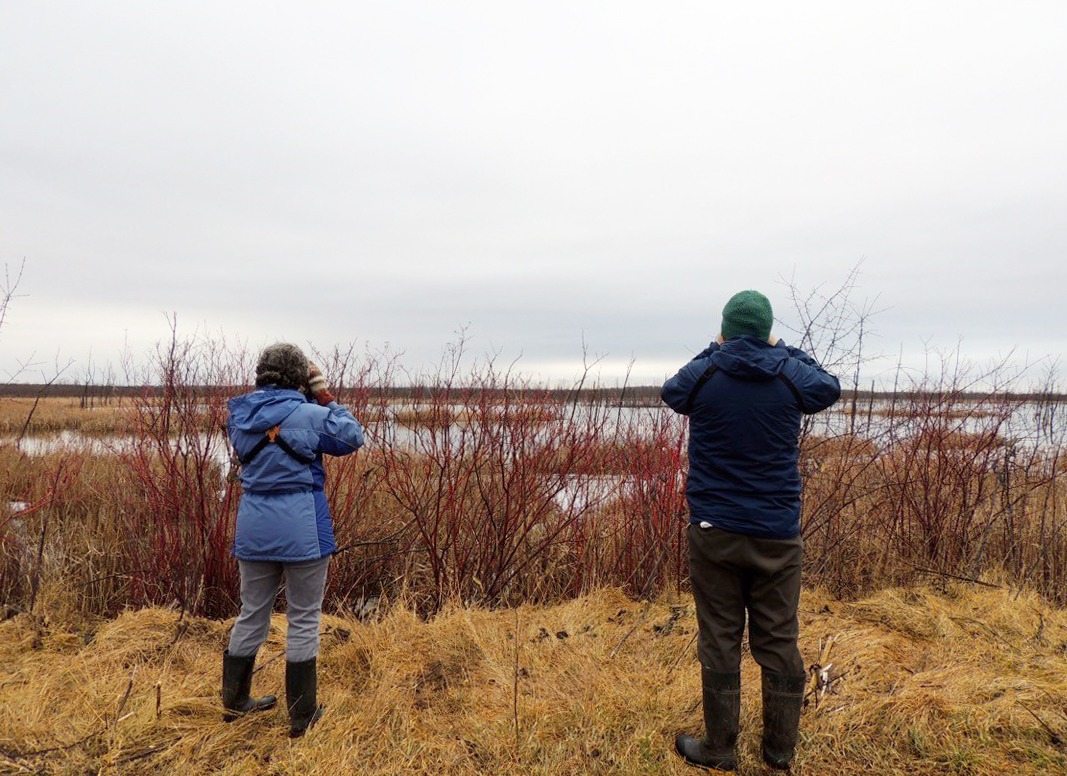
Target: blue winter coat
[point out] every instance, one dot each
(744, 421)
(283, 514)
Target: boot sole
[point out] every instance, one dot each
(235, 714)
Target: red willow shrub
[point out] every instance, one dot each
(178, 507)
(38, 498)
(648, 536)
(948, 481)
(493, 490)
(483, 487)
(503, 491)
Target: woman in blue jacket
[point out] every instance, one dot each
(284, 527)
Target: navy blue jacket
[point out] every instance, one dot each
(283, 514)
(744, 421)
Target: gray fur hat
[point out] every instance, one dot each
(282, 364)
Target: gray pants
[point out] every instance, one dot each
(731, 574)
(304, 586)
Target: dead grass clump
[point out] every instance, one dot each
(819, 449)
(433, 417)
(954, 682)
(53, 414)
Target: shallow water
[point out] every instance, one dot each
(1036, 424)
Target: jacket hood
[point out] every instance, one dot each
(750, 358)
(263, 409)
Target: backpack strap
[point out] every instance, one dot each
(793, 388)
(273, 436)
(257, 449)
(691, 400)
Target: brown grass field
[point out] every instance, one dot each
(963, 680)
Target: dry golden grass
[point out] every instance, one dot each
(968, 681)
(440, 417)
(54, 414)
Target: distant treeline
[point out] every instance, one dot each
(640, 393)
(628, 394)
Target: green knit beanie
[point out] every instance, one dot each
(747, 312)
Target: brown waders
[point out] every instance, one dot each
(732, 574)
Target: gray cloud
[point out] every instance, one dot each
(544, 172)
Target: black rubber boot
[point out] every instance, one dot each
(722, 716)
(237, 688)
(301, 691)
(783, 698)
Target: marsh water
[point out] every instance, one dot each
(1039, 424)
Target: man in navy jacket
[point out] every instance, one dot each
(745, 395)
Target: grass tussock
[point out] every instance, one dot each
(961, 681)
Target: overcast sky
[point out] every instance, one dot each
(542, 174)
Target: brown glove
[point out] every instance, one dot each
(317, 385)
